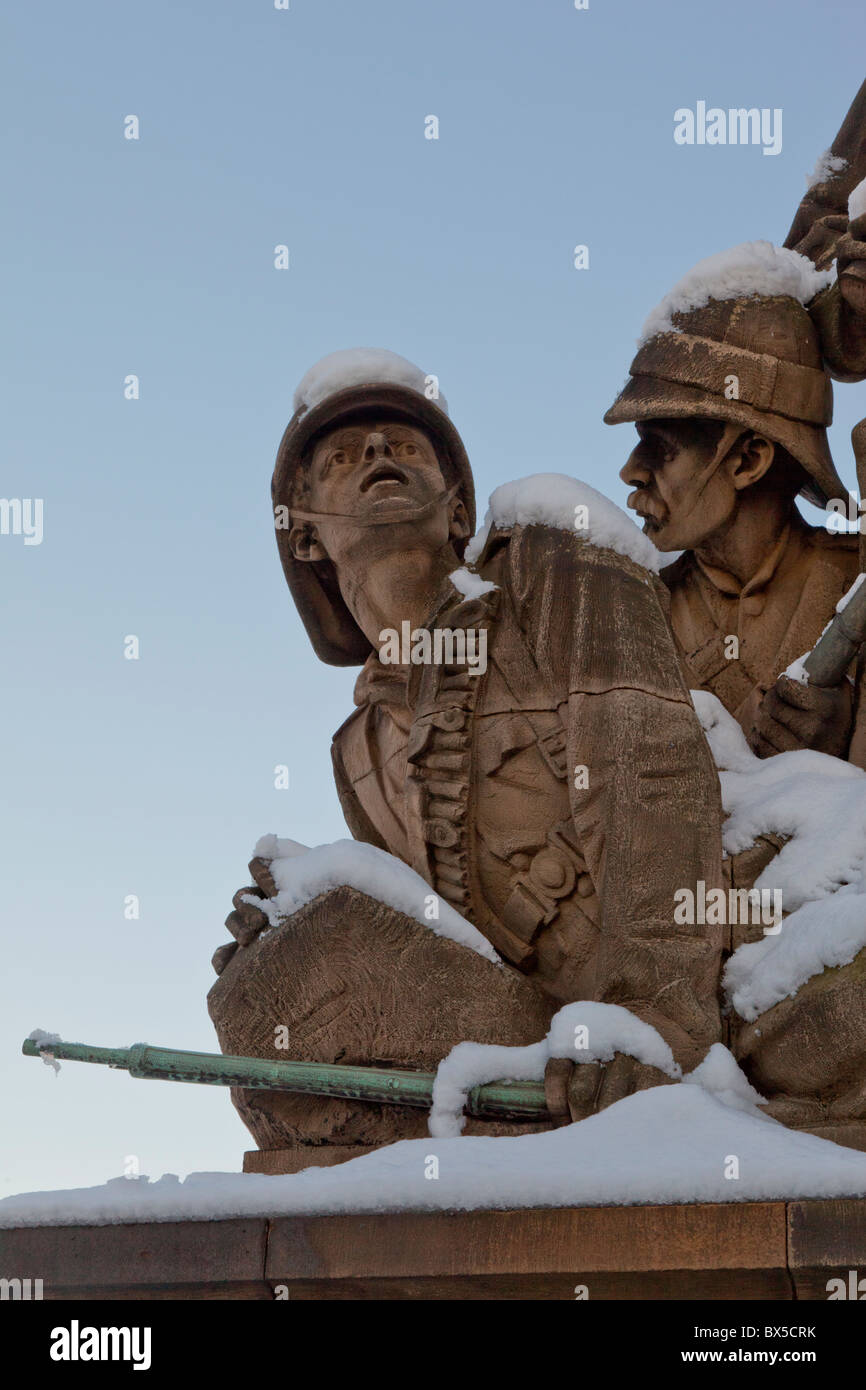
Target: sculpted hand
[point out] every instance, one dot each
(803, 716)
(246, 921)
(851, 264)
(574, 1090)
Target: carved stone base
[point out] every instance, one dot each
(735, 1250)
(301, 1156)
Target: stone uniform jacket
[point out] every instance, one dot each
(560, 799)
(776, 618)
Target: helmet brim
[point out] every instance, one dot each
(649, 398)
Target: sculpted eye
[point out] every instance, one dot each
(407, 450)
(338, 457)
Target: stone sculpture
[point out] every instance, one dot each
(731, 393)
(531, 794)
(524, 737)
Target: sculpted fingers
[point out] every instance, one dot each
(261, 872)
(851, 263)
(246, 921)
(575, 1090)
(222, 955)
(557, 1075)
(802, 716)
(583, 1087)
(769, 737)
(624, 1076)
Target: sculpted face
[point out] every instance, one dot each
(376, 487)
(685, 487)
(372, 470)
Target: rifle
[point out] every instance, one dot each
(512, 1100)
(844, 635)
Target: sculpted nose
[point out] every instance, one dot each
(635, 473)
(374, 445)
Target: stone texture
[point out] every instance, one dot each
(713, 1251)
(359, 983)
(172, 1259)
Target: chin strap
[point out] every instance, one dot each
(730, 434)
(410, 512)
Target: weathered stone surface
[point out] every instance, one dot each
(808, 1054)
(713, 1251)
(827, 1240)
(170, 1259)
(561, 794)
(356, 982)
(301, 1156)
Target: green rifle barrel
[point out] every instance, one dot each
(514, 1100)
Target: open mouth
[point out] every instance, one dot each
(384, 473)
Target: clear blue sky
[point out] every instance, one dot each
(155, 777)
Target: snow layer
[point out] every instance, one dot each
(668, 1144)
(818, 936)
(797, 670)
(719, 1074)
(827, 166)
(360, 367)
(45, 1039)
(849, 593)
(470, 585)
(820, 803)
(584, 1032)
(553, 499)
(857, 201)
(301, 874)
(753, 268)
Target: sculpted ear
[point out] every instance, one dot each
(305, 544)
(749, 459)
(459, 528)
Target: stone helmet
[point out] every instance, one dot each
(734, 341)
(338, 387)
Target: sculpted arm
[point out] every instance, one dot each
(644, 791)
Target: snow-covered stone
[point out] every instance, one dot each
(470, 585)
(360, 367)
(301, 874)
(719, 1074)
(667, 1144)
(816, 937)
(753, 268)
(555, 499)
(819, 802)
(584, 1032)
(857, 201)
(827, 166)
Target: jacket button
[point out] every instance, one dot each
(551, 871)
(440, 832)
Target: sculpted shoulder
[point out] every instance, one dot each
(538, 553)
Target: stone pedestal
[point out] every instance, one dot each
(736, 1250)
